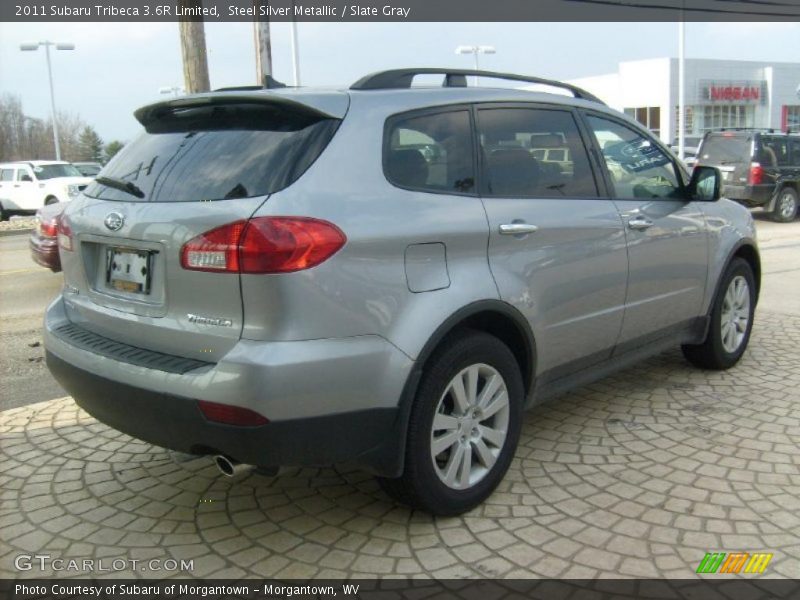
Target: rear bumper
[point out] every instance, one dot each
(749, 195)
(177, 423)
(328, 401)
(44, 252)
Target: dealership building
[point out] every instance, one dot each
(719, 94)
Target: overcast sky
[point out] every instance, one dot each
(119, 67)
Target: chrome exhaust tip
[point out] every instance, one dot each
(230, 467)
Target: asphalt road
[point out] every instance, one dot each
(26, 289)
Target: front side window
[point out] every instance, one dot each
(431, 152)
(24, 175)
(533, 153)
(637, 166)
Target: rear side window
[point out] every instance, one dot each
(795, 146)
(217, 152)
(6, 174)
(774, 152)
(533, 153)
(430, 152)
(722, 149)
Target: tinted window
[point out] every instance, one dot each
(217, 153)
(637, 166)
(726, 149)
(6, 174)
(431, 152)
(54, 171)
(88, 171)
(795, 146)
(774, 152)
(533, 153)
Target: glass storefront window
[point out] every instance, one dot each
(728, 116)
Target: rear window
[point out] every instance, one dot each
(722, 149)
(218, 152)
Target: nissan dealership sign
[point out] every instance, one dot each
(732, 92)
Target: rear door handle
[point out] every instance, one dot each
(517, 229)
(639, 223)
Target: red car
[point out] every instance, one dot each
(44, 239)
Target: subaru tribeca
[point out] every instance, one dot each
(386, 275)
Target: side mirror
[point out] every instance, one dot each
(25, 177)
(706, 184)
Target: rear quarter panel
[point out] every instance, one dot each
(363, 288)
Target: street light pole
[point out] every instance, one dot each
(475, 50)
(682, 89)
(28, 46)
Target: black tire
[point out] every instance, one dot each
(420, 486)
(712, 354)
(50, 200)
(3, 213)
(785, 209)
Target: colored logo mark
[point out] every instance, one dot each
(734, 562)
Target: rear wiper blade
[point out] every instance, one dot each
(121, 185)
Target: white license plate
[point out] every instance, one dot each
(128, 270)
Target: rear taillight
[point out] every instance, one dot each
(215, 250)
(48, 228)
(263, 245)
(64, 232)
(231, 415)
(756, 174)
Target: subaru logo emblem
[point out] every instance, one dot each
(114, 221)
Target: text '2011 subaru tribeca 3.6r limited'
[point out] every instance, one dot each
(386, 275)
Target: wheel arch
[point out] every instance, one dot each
(749, 253)
(745, 249)
(495, 317)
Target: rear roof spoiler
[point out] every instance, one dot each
(322, 105)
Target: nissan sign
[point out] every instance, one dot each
(732, 92)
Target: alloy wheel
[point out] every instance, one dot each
(735, 314)
(470, 426)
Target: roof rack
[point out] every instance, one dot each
(767, 129)
(402, 78)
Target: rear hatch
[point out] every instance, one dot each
(203, 163)
(731, 152)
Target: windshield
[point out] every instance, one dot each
(54, 171)
(217, 153)
(722, 149)
(88, 170)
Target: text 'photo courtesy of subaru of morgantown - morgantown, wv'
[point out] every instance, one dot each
(387, 275)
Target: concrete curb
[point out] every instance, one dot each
(6, 232)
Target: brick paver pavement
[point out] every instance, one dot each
(637, 475)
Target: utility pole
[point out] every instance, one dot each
(193, 49)
(263, 47)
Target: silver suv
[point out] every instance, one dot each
(386, 275)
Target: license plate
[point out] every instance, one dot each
(128, 270)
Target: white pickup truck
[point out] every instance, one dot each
(28, 185)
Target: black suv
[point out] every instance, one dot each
(759, 168)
